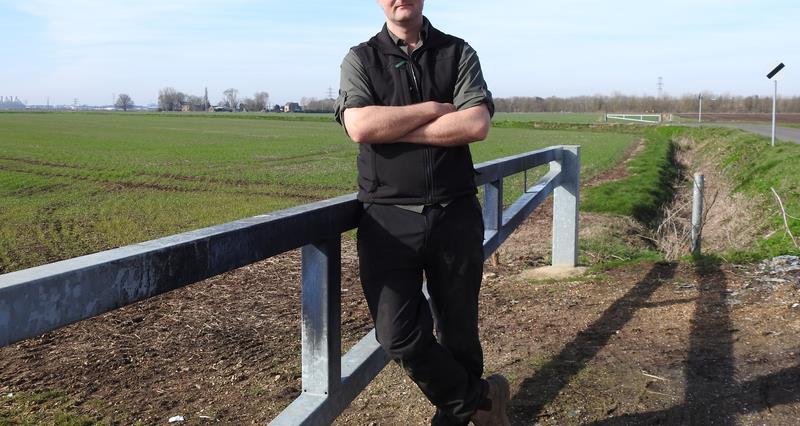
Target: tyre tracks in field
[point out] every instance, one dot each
(159, 181)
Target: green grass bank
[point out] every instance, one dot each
(754, 168)
(648, 186)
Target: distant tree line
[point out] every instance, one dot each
(8, 102)
(317, 105)
(623, 103)
(170, 99)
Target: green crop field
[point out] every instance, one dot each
(553, 117)
(77, 183)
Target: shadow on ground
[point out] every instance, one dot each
(711, 393)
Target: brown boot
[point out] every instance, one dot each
(499, 394)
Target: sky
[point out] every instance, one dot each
(92, 50)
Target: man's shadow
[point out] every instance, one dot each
(712, 394)
(541, 389)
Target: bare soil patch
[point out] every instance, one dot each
(226, 348)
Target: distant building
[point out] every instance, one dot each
(187, 106)
(277, 108)
(292, 107)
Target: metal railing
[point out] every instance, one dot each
(36, 300)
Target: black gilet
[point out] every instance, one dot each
(405, 173)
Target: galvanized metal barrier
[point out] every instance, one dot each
(40, 299)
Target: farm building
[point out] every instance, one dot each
(292, 107)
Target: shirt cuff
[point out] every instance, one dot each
(345, 101)
(470, 100)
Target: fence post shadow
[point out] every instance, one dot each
(712, 394)
(709, 370)
(541, 389)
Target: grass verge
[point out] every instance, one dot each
(626, 128)
(648, 186)
(611, 250)
(641, 195)
(41, 408)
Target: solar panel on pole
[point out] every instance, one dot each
(774, 96)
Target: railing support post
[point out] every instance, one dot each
(493, 205)
(492, 216)
(565, 208)
(321, 317)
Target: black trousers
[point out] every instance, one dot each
(395, 247)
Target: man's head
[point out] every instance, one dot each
(402, 12)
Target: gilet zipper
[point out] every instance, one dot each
(428, 153)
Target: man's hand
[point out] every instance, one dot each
(388, 124)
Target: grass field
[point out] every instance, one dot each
(554, 117)
(76, 183)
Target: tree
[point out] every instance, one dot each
(170, 99)
(317, 105)
(124, 101)
(197, 103)
(260, 101)
(257, 103)
(231, 98)
(249, 104)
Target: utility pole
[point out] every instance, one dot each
(775, 96)
(700, 109)
(660, 87)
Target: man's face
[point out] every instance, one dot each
(400, 11)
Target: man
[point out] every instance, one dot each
(414, 98)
